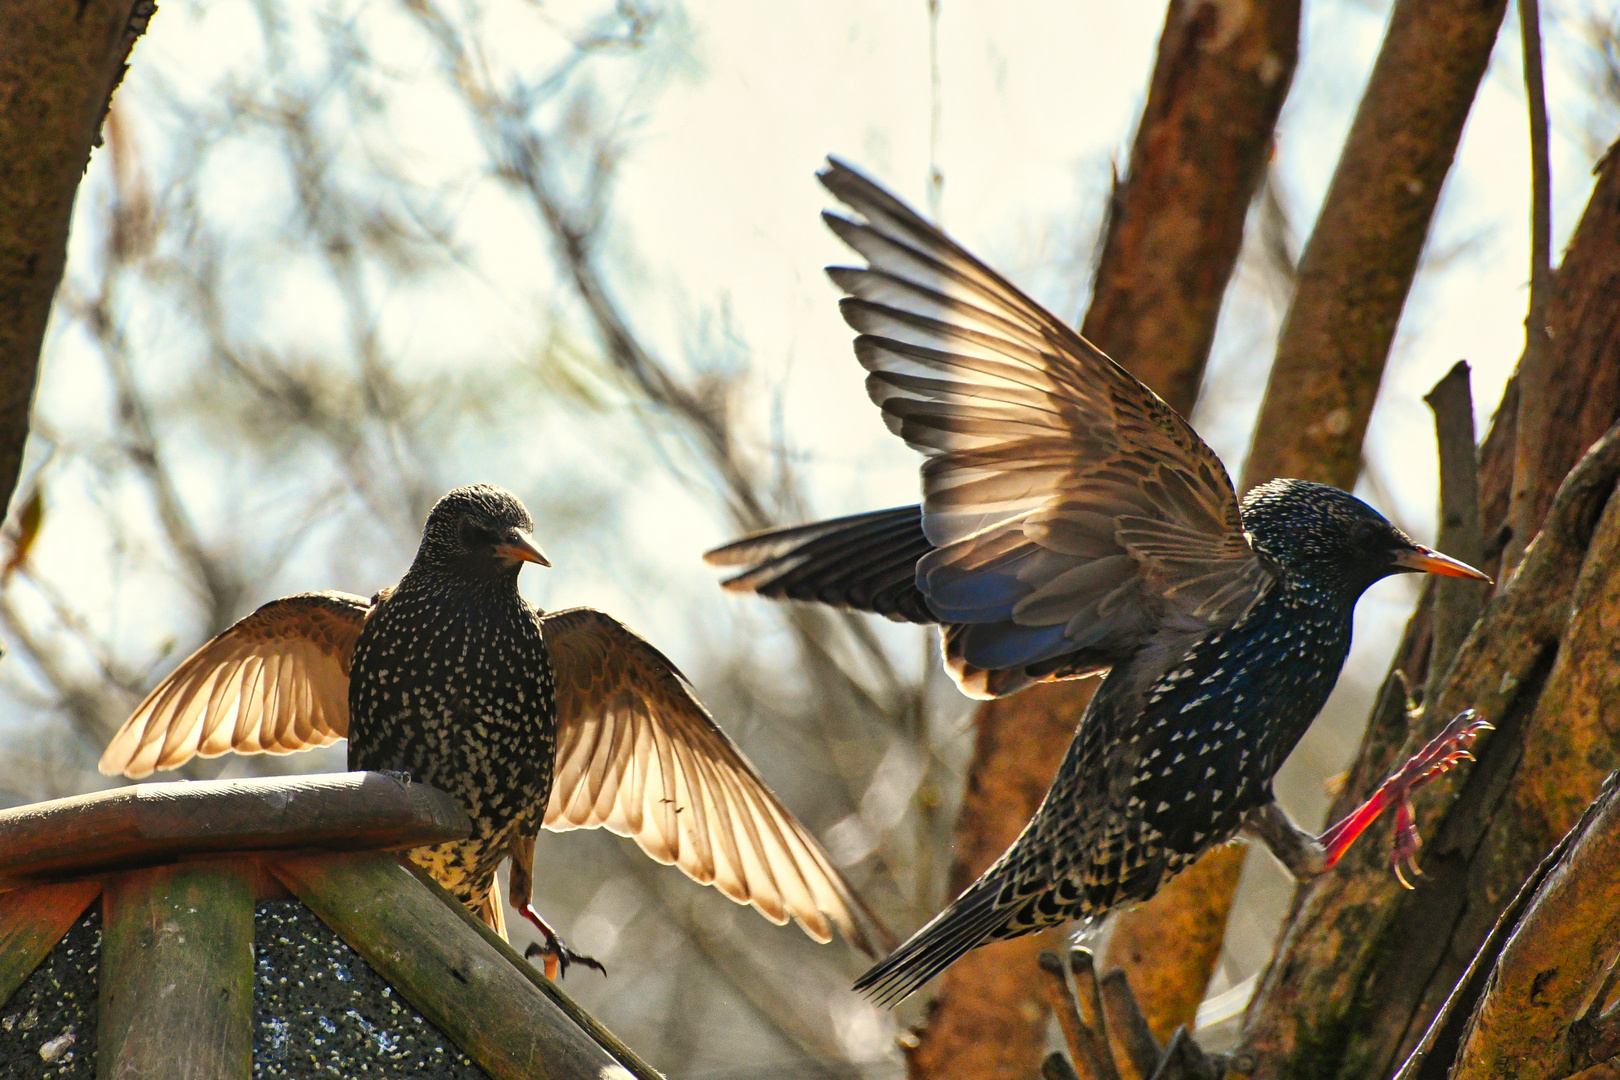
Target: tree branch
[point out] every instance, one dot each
(1457, 603)
(1528, 1024)
(1533, 376)
(59, 64)
(1359, 263)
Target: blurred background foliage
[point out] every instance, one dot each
(340, 255)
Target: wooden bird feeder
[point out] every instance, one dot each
(265, 928)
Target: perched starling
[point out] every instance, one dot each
(1073, 524)
(565, 720)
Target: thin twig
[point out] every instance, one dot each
(1533, 375)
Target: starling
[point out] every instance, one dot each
(565, 720)
(1073, 524)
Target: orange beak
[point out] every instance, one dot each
(1428, 561)
(519, 547)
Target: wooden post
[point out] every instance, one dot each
(177, 974)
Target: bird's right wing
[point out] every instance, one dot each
(275, 682)
(639, 755)
(1069, 507)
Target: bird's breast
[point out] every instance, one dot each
(457, 691)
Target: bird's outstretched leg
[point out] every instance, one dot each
(557, 956)
(1307, 856)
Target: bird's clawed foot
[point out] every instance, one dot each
(557, 956)
(1442, 752)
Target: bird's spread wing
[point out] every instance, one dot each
(275, 682)
(638, 754)
(1070, 508)
(866, 561)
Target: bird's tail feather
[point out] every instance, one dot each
(970, 921)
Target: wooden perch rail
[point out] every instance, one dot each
(147, 824)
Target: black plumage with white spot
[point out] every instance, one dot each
(1181, 740)
(452, 683)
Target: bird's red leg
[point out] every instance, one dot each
(557, 955)
(1441, 753)
(521, 886)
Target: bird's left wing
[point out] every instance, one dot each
(639, 755)
(275, 682)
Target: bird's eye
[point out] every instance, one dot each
(473, 534)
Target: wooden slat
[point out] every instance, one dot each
(592, 1026)
(32, 921)
(154, 823)
(177, 974)
(453, 976)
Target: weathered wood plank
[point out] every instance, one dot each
(451, 973)
(155, 823)
(32, 921)
(177, 974)
(592, 1026)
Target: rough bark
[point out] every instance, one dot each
(1176, 224)
(1539, 1002)
(1358, 265)
(1173, 238)
(59, 64)
(1362, 966)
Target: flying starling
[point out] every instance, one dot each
(565, 720)
(1073, 524)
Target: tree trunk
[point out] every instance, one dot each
(59, 64)
(1363, 966)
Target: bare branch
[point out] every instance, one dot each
(1534, 396)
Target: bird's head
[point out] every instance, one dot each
(1330, 536)
(480, 532)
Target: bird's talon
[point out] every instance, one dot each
(557, 957)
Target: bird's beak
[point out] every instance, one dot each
(519, 547)
(1429, 561)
